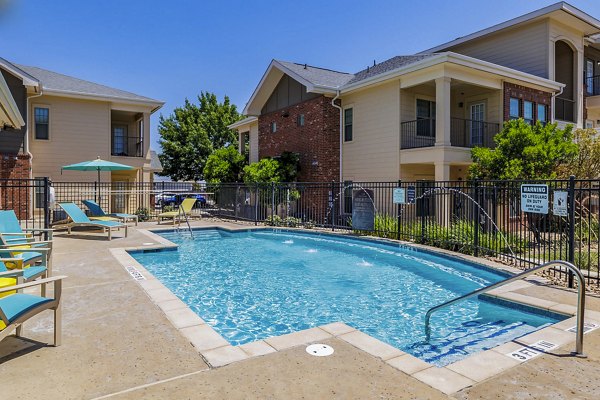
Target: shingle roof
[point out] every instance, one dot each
(64, 83)
(318, 76)
(388, 65)
(155, 163)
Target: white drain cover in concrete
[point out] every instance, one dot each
(319, 350)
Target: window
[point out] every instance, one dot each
(514, 112)
(528, 112)
(300, 120)
(42, 123)
(542, 113)
(119, 140)
(589, 76)
(425, 118)
(273, 127)
(348, 124)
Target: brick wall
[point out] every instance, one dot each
(525, 93)
(14, 194)
(317, 142)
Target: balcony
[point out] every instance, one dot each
(463, 133)
(127, 134)
(127, 146)
(564, 109)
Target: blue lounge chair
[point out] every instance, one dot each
(78, 218)
(11, 232)
(97, 211)
(18, 307)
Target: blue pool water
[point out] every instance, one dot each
(255, 284)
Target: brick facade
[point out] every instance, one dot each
(525, 93)
(317, 142)
(14, 195)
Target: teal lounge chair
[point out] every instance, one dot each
(97, 211)
(78, 218)
(18, 307)
(11, 233)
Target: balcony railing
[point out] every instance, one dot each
(463, 133)
(417, 133)
(564, 109)
(470, 133)
(592, 85)
(127, 146)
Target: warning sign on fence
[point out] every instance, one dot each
(559, 207)
(534, 198)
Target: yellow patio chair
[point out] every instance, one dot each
(185, 208)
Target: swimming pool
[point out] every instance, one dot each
(251, 285)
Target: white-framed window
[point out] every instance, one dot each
(348, 124)
(41, 117)
(513, 111)
(119, 140)
(425, 113)
(589, 76)
(477, 114)
(528, 112)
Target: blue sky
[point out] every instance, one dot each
(172, 50)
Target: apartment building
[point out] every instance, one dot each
(48, 120)
(417, 116)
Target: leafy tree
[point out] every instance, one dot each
(191, 133)
(224, 165)
(266, 170)
(524, 151)
(586, 164)
(289, 165)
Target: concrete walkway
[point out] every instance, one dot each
(117, 343)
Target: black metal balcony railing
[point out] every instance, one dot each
(470, 133)
(127, 146)
(463, 133)
(592, 85)
(417, 133)
(564, 109)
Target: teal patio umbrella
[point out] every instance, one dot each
(97, 165)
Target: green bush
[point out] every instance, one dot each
(143, 214)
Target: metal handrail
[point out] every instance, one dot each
(187, 221)
(549, 264)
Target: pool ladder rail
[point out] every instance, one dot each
(187, 221)
(580, 298)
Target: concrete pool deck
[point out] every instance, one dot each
(117, 342)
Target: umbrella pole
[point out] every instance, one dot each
(98, 188)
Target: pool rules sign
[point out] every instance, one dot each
(534, 199)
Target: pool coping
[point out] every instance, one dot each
(475, 368)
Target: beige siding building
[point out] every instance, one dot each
(418, 116)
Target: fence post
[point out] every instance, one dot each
(332, 206)
(272, 202)
(422, 200)
(571, 254)
(477, 221)
(256, 197)
(46, 206)
(398, 210)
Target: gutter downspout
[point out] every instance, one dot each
(26, 146)
(554, 96)
(337, 95)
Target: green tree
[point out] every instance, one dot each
(224, 165)
(191, 133)
(289, 165)
(524, 151)
(266, 170)
(586, 164)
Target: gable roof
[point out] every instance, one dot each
(53, 82)
(561, 6)
(386, 66)
(316, 76)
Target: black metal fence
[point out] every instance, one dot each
(481, 218)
